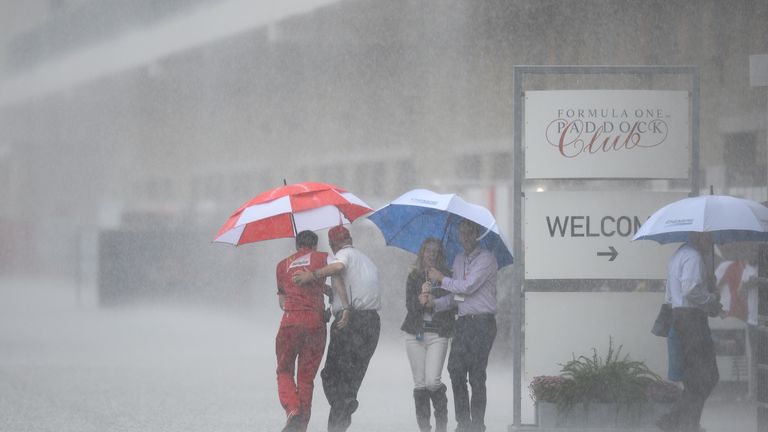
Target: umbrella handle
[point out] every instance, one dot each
(709, 268)
(445, 227)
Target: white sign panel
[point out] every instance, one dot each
(607, 134)
(588, 235)
(560, 325)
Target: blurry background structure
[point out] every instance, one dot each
(131, 130)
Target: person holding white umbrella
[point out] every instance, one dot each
(472, 242)
(474, 245)
(692, 303)
(701, 222)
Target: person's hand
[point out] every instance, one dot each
(303, 276)
(426, 300)
(426, 287)
(423, 298)
(343, 320)
(434, 275)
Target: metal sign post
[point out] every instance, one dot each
(646, 73)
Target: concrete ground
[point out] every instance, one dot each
(65, 367)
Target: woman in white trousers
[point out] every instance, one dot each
(427, 336)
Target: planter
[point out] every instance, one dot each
(601, 415)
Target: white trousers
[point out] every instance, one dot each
(427, 357)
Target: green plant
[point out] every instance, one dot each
(612, 378)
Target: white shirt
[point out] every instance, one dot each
(360, 279)
(686, 286)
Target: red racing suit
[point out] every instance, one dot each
(302, 332)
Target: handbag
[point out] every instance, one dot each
(663, 322)
(713, 309)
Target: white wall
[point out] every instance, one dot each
(561, 324)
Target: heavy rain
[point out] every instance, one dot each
(131, 130)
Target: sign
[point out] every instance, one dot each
(607, 134)
(561, 324)
(588, 235)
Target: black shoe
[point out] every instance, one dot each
(340, 417)
(293, 422)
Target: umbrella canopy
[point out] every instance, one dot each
(419, 214)
(727, 218)
(286, 210)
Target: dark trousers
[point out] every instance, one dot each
(699, 367)
(349, 352)
(470, 348)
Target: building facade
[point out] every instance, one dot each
(109, 123)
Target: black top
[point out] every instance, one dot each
(414, 320)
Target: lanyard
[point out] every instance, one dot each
(468, 261)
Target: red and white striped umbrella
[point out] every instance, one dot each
(284, 211)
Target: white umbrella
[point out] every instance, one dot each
(420, 214)
(727, 218)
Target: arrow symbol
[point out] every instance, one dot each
(613, 253)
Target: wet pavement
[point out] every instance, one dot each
(65, 367)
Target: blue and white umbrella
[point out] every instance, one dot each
(727, 218)
(420, 214)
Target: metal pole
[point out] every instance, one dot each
(518, 180)
(518, 252)
(695, 122)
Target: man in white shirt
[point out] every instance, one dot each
(355, 332)
(692, 302)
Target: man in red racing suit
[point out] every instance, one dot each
(302, 332)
